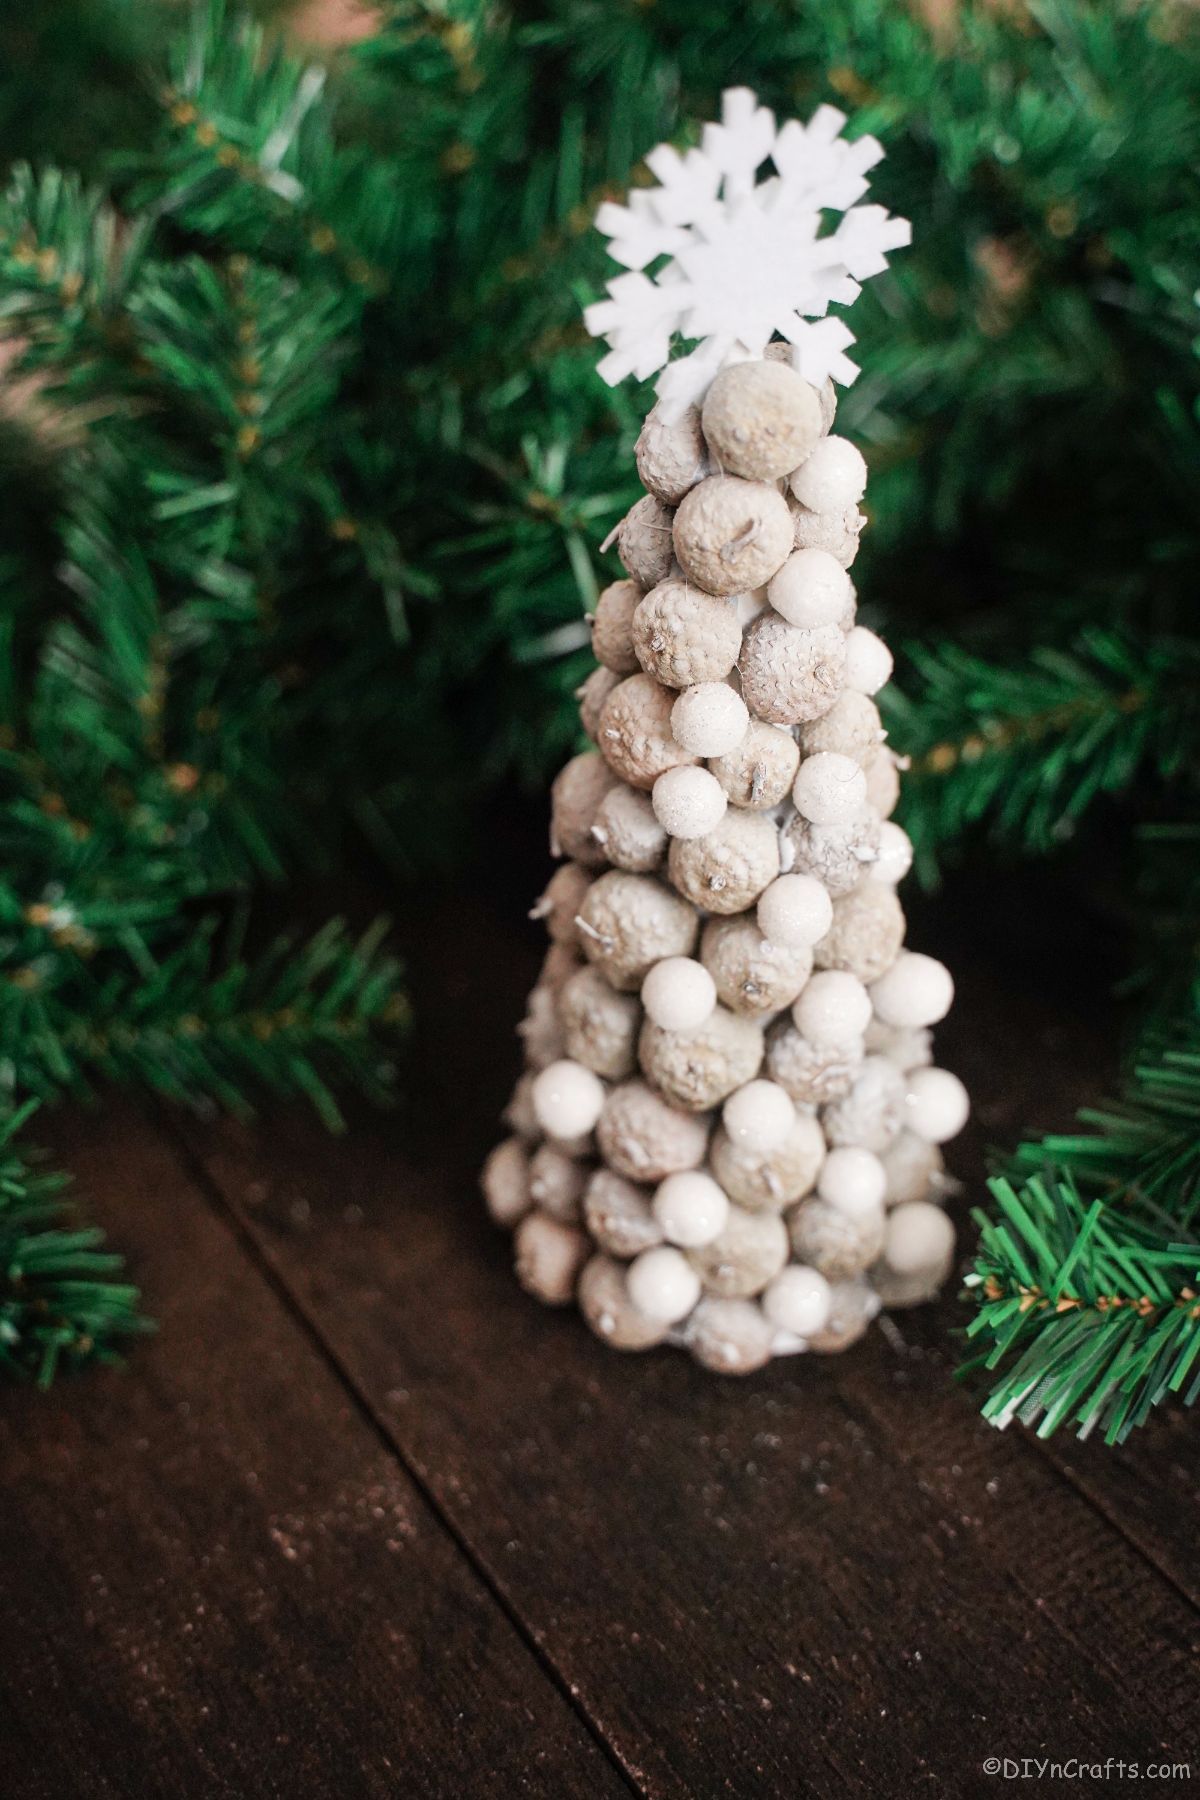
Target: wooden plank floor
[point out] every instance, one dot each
(362, 1519)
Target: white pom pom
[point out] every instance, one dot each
(691, 1208)
(832, 478)
(917, 990)
(936, 1105)
(852, 1180)
(688, 802)
(799, 1300)
(709, 719)
(794, 912)
(919, 1237)
(868, 661)
(567, 1099)
(895, 854)
(662, 1284)
(758, 1117)
(678, 994)
(829, 789)
(834, 1009)
(812, 588)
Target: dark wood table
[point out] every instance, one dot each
(363, 1520)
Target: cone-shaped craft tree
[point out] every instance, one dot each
(727, 1134)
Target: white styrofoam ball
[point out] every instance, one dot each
(833, 1008)
(936, 1106)
(678, 994)
(812, 588)
(919, 1237)
(829, 788)
(795, 912)
(662, 1284)
(868, 661)
(799, 1300)
(691, 1208)
(895, 854)
(758, 1117)
(567, 1099)
(709, 719)
(688, 802)
(853, 1181)
(832, 478)
(917, 990)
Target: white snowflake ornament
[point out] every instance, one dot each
(745, 258)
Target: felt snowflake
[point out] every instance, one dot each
(744, 258)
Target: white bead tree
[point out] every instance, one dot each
(728, 1132)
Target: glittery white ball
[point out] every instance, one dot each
(567, 1099)
(691, 1208)
(853, 1181)
(895, 854)
(834, 1008)
(917, 990)
(758, 1117)
(832, 478)
(812, 588)
(795, 912)
(868, 661)
(662, 1284)
(799, 1300)
(678, 994)
(936, 1105)
(709, 719)
(919, 1237)
(829, 789)
(688, 802)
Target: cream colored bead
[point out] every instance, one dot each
(895, 855)
(696, 1069)
(836, 1243)
(851, 727)
(726, 870)
(883, 782)
(871, 1115)
(635, 732)
(557, 1182)
(709, 719)
(506, 1182)
(936, 1106)
(575, 795)
(916, 990)
(671, 458)
(619, 1216)
(629, 922)
(612, 622)
(567, 1099)
(600, 1026)
(832, 478)
(782, 352)
(729, 1337)
(605, 1304)
(866, 934)
(811, 589)
(628, 832)
(643, 1137)
(813, 1074)
(907, 1048)
(868, 661)
(853, 1181)
(688, 803)
(540, 1030)
(833, 1008)
(759, 773)
(852, 1306)
(644, 542)
(662, 1284)
(691, 1208)
(678, 994)
(829, 789)
(732, 535)
(836, 532)
(747, 1255)
(795, 912)
(559, 903)
(837, 855)
(920, 1240)
(914, 1169)
(549, 1256)
(758, 1117)
(798, 1300)
(778, 1178)
(789, 674)
(591, 696)
(752, 975)
(683, 635)
(760, 419)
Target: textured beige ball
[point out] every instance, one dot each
(591, 695)
(600, 1026)
(644, 542)
(627, 831)
(851, 727)
(759, 773)
(747, 1255)
(729, 1337)
(866, 934)
(506, 1182)
(813, 1074)
(557, 1182)
(732, 535)
(605, 1304)
(871, 1115)
(549, 1256)
(726, 871)
(635, 732)
(790, 674)
(683, 636)
(558, 965)
(629, 922)
(540, 1030)
(640, 1135)
(619, 1214)
(519, 1115)
(837, 855)
(696, 1069)
(761, 419)
(559, 903)
(612, 622)
(833, 1242)
(688, 802)
(575, 795)
(671, 458)
(837, 532)
(752, 975)
(775, 1178)
(914, 1169)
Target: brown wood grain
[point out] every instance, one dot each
(217, 1579)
